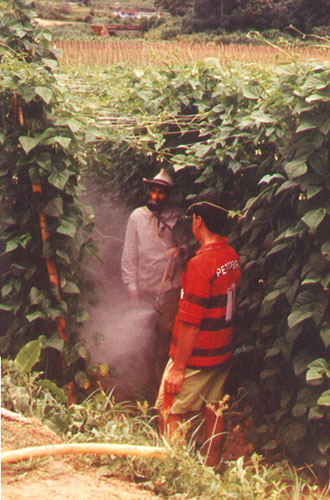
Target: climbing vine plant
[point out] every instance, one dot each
(44, 229)
(257, 139)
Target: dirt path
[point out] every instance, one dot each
(58, 477)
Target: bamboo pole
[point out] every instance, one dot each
(82, 448)
(51, 265)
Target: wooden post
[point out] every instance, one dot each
(51, 266)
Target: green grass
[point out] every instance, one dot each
(183, 475)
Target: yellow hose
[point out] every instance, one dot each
(82, 448)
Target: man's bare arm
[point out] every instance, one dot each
(186, 340)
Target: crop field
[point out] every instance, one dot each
(141, 53)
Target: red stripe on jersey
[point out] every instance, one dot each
(209, 275)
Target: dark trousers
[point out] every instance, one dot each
(166, 308)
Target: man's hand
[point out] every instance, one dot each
(174, 253)
(173, 381)
(186, 341)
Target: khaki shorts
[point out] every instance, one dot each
(200, 386)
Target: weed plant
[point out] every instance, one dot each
(182, 475)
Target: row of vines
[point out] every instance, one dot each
(258, 139)
(255, 137)
(45, 232)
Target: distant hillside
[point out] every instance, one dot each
(95, 11)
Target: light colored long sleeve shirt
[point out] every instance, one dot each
(145, 253)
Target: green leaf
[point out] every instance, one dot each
(251, 92)
(276, 348)
(324, 127)
(295, 168)
(272, 296)
(325, 336)
(44, 160)
(270, 446)
(290, 232)
(29, 355)
(325, 282)
(33, 316)
(321, 303)
(319, 161)
(317, 369)
(36, 296)
(286, 186)
(324, 399)
(323, 444)
(28, 143)
(300, 362)
(63, 255)
(51, 63)
(260, 117)
(45, 93)
(7, 288)
(66, 227)
(63, 141)
(277, 248)
(59, 178)
(55, 342)
(293, 333)
(34, 174)
(82, 380)
(268, 178)
(313, 218)
(313, 191)
(305, 300)
(312, 278)
(6, 307)
(11, 245)
(325, 250)
(315, 413)
(82, 316)
(306, 124)
(70, 288)
(90, 136)
(235, 166)
(54, 207)
(268, 373)
(299, 410)
(318, 97)
(74, 125)
(298, 316)
(139, 73)
(53, 388)
(294, 431)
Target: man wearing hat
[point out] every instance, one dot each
(202, 340)
(151, 263)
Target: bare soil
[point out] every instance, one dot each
(57, 477)
(68, 477)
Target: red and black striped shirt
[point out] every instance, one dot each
(207, 300)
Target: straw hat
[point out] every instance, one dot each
(163, 179)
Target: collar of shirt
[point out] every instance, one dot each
(212, 246)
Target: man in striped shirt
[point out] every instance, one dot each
(201, 345)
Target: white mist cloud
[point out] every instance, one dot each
(117, 333)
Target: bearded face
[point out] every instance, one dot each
(157, 198)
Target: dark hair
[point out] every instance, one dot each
(214, 217)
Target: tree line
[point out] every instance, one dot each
(201, 15)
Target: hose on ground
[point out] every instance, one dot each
(82, 448)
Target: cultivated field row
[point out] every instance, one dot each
(141, 52)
